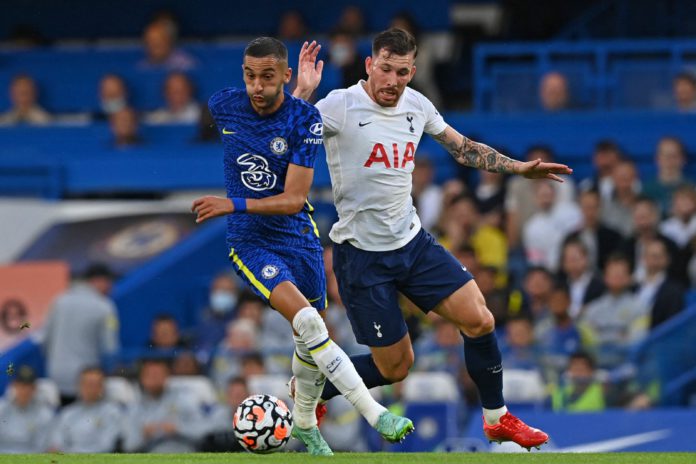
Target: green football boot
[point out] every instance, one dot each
(315, 443)
(393, 428)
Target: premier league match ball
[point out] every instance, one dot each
(262, 424)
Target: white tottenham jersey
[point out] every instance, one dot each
(370, 151)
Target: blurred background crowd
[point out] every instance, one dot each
(154, 343)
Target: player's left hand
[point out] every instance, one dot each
(210, 206)
(538, 170)
(308, 68)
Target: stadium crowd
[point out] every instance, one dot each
(576, 274)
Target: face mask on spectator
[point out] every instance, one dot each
(340, 54)
(223, 302)
(113, 105)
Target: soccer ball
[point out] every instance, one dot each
(262, 424)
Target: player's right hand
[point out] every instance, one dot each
(210, 206)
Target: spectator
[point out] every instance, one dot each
(503, 303)
(664, 296)
(220, 434)
(26, 421)
(519, 349)
(645, 223)
(124, 128)
(520, 193)
(538, 285)
(81, 330)
(222, 303)
(292, 27)
(161, 54)
(252, 364)
(599, 240)
(113, 96)
(583, 283)
(553, 92)
(352, 21)
(162, 421)
(165, 336)
(441, 348)
(607, 155)
(91, 424)
(424, 80)
(680, 227)
(617, 319)
(242, 337)
(185, 364)
(461, 225)
(581, 391)
(618, 210)
(181, 107)
(25, 107)
(344, 55)
(490, 195)
(427, 196)
(670, 160)
(543, 234)
(684, 90)
(556, 333)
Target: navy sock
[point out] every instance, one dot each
(367, 369)
(485, 366)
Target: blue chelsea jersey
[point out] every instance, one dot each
(257, 152)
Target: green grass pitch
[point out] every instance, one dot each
(357, 458)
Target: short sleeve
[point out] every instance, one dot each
(307, 138)
(434, 123)
(333, 111)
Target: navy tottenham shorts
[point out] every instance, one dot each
(369, 282)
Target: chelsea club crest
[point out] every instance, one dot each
(279, 146)
(269, 271)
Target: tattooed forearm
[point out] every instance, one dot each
(474, 154)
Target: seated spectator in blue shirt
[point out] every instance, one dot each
(165, 335)
(124, 128)
(553, 92)
(161, 53)
(556, 334)
(222, 302)
(519, 349)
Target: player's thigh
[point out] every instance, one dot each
(466, 309)
(369, 296)
(309, 274)
(432, 275)
(269, 275)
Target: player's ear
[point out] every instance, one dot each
(368, 65)
(287, 76)
(413, 72)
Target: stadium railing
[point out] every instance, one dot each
(602, 75)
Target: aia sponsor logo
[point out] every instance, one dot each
(396, 160)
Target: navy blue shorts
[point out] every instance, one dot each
(264, 268)
(369, 282)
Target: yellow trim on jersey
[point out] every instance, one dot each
(321, 347)
(250, 275)
(311, 210)
(302, 361)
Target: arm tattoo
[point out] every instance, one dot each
(476, 155)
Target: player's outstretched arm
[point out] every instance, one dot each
(481, 156)
(297, 184)
(308, 70)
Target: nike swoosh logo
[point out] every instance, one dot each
(226, 132)
(361, 124)
(617, 444)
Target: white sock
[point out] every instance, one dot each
(335, 364)
(492, 416)
(309, 383)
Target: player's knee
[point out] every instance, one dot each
(310, 326)
(397, 370)
(484, 325)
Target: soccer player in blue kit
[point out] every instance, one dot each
(270, 141)
(371, 134)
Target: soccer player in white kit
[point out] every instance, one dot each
(371, 133)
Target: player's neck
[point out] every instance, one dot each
(271, 109)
